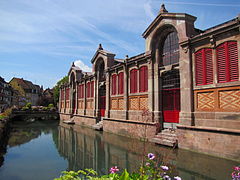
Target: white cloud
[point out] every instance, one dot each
(148, 10)
(82, 66)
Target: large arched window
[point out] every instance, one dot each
(170, 53)
(100, 70)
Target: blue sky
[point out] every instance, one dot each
(39, 39)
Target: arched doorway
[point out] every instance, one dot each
(171, 96)
(100, 68)
(170, 86)
(73, 97)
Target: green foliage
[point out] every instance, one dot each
(7, 112)
(45, 108)
(2, 117)
(56, 89)
(51, 106)
(151, 170)
(29, 105)
(25, 108)
(79, 175)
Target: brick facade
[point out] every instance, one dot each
(182, 87)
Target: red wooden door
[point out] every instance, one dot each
(171, 105)
(102, 105)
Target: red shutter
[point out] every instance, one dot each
(208, 66)
(79, 91)
(143, 80)
(221, 64)
(88, 89)
(233, 61)
(62, 94)
(133, 81)
(114, 84)
(199, 68)
(67, 93)
(92, 88)
(204, 67)
(227, 60)
(120, 83)
(83, 89)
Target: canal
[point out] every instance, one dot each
(41, 150)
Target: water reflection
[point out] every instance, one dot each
(85, 148)
(40, 150)
(32, 152)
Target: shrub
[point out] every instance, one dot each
(51, 106)
(45, 108)
(25, 108)
(7, 112)
(2, 116)
(29, 105)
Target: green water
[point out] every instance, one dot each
(41, 150)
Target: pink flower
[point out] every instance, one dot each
(151, 156)
(236, 168)
(114, 169)
(147, 164)
(165, 168)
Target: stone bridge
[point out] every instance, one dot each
(31, 115)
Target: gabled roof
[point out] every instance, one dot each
(100, 50)
(166, 15)
(75, 68)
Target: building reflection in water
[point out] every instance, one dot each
(86, 148)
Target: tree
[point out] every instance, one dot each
(56, 89)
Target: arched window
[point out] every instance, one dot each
(100, 70)
(114, 84)
(204, 66)
(120, 83)
(227, 62)
(170, 53)
(133, 81)
(143, 79)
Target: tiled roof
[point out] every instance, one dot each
(26, 84)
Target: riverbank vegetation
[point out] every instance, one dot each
(29, 107)
(6, 114)
(151, 169)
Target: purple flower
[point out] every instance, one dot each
(151, 156)
(177, 178)
(165, 168)
(114, 169)
(166, 177)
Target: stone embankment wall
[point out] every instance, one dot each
(4, 124)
